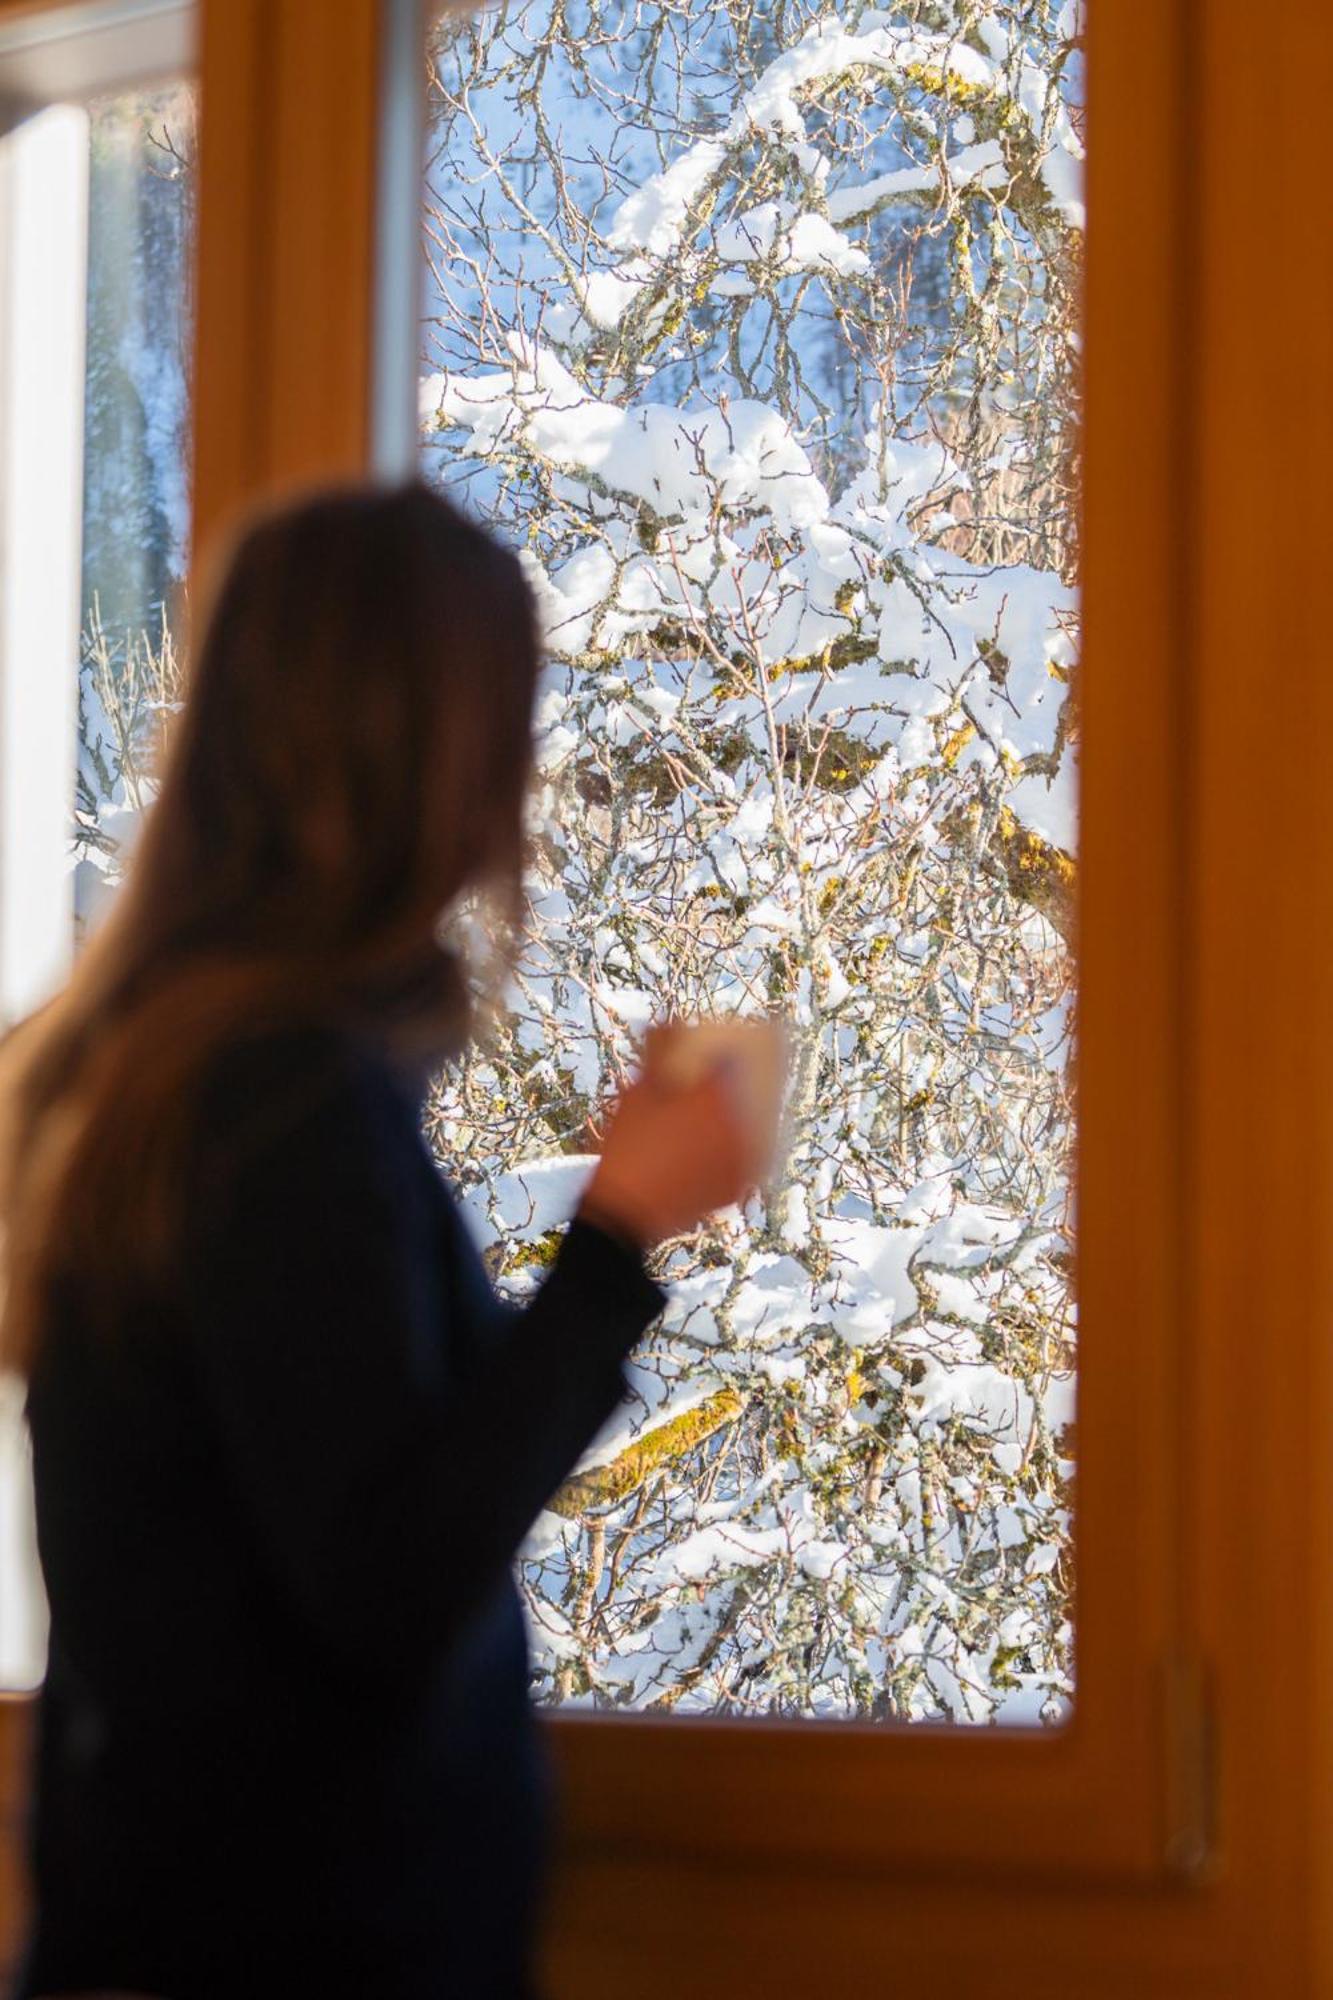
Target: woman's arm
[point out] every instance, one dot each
(390, 1462)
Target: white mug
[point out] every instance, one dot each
(754, 1047)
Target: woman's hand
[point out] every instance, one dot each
(670, 1157)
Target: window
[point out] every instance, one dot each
(96, 251)
(756, 329)
(136, 522)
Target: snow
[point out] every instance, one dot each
(778, 1299)
(529, 1201)
(650, 219)
(547, 1533)
(982, 1394)
(799, 242)
(1062, 171)
(828, 49)
(1049, 805)
(795, 1229)
(879, 1258)
(647, 1407)
(654, 452)
(982, 164)
(606, 296)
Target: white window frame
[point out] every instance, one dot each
(50, 62)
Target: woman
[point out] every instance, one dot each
(286, 1440)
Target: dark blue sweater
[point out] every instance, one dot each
(285, 1739)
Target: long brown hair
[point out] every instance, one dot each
(350, 764)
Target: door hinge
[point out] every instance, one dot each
(1189, 1719)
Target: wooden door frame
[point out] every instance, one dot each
(1111, 1795)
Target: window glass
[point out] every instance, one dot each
(754, 325)
(135, 532)
(136, 524)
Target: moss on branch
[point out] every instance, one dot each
(1038, 873)
(1035, 871)
(660, 1449)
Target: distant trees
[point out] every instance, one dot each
(755, 326)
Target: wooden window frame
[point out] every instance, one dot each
(884, 1796)
(1176, 1839)
(268, 415)
(1107, 1795)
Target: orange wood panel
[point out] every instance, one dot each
(288, 146)
(736, 1933)
(232, 369)
(1260, 1253)
(15, 1733)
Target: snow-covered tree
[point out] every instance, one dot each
(753, 322)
